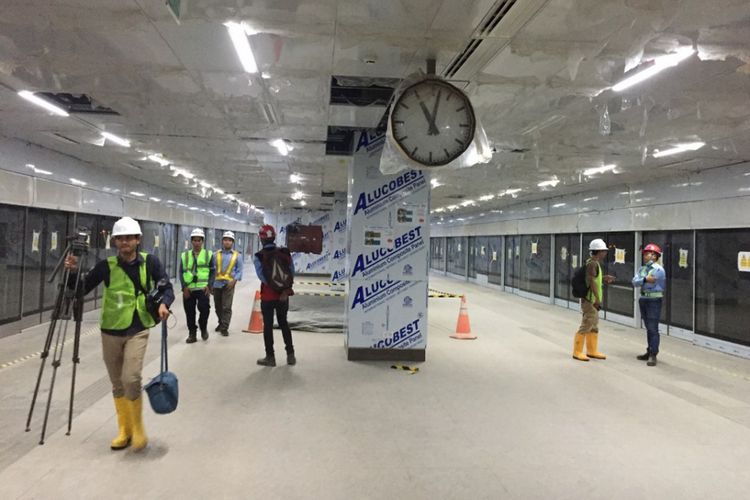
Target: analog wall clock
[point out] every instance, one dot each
(432, 122)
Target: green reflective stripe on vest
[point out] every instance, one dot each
(120, 299)
(597, 283)
(202, 270)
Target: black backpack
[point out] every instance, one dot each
(276, 269)
(578, 282)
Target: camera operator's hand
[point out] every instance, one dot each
(163, 312)
(71, 262)
(186, 292)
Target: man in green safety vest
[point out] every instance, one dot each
(588, 332)
(228, 273)
(125, 321)
(197, 271)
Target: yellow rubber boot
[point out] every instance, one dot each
(123, 424)
(139, 439)
(592, 342)
(578, 348)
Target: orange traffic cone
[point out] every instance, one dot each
(256, 317)
(463, 328)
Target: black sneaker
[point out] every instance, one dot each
(642, 357)
(267, 361)
(290, 359)
(217, 329)
(224, 333)
(204, 333)
(651, 360)
(191, 339)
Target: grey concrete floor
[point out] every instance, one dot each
(509, 415)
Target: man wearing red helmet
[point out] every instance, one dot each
(651, 279)
(275, 269)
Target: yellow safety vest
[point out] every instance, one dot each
(225, 275)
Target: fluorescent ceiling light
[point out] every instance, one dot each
(238, 33)
(205, 184)
(281, 146)
(298, 195)
(467, 203)
(136, 193)
(43, 172)
(181, 205)
(77, 182)
(29, 96)
(654, 66)
(116, 139)
(549, 183)
(487, 197)
(452, 207)
(435, 183)
(159, 159)
(438, 210)
(598, 170)
(303, 203)
(680, 148)
(295, 179)
(558, 205)
(218, 191)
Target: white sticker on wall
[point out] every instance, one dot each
(107, 241)
(411, 214)
(683, 258)
(481, 251)
(574, 260)
(743, 262)
(378, 237)
(35, 241)
(534, 248)
(619, 256)
(564, 253)
(459, 247)
(186, 244)
(156, 241)
(494, 256)
(518, 250)
(53, 241)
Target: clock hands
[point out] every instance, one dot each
(427, 116)
(433, 128)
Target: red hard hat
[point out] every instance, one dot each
(267, 232)
(652, 248)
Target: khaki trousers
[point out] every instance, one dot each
(123, 357)
(223, 299)
(590, 322)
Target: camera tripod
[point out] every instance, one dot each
(68, 305)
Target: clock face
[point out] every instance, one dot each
(433, 122)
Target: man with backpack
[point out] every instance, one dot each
(591, 301)
(125, 321)
(651, 279)
(275, 270)
(197, 271)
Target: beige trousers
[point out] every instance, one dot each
(590, 322)
(123, 357)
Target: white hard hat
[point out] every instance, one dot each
(228, 234)
(197, 232)
(126, 226)
(597, 244)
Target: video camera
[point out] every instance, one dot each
(79, 241)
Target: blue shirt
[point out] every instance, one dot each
(226, 257)
(259, 266)
(651, 269)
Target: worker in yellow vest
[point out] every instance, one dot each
(125, 323)
(197, 270)
(228, 273)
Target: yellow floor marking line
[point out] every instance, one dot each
(16, 362)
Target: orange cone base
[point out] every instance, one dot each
(463, 336)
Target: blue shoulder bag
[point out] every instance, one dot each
(162, 390)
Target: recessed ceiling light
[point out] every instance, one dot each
(295, 179)
(77, 182)
(31, 97)
(281, 146)
(680, 148)
(599, 170)
(298, 195)
(136, 193)
(653, 67)
(116, 139)
(238, 32)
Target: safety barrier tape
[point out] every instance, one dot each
(15, 362)
(439, 294)
(323, 283)
(409, 369)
